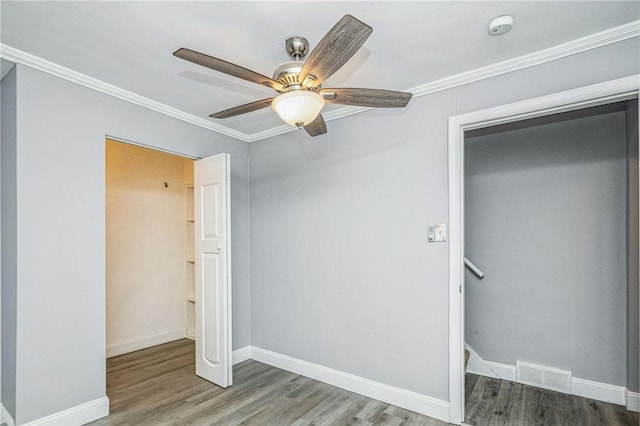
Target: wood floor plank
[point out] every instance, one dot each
(387, 419)
(515, 411)
(342, 410)
(397, 415)
(470, 381)
(371, 410)
(293, 406)
(315, 412)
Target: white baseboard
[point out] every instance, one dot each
(76, 416)
(476, 364)
(492, 369)
(503, 371)
(241, 354)
(5, 417)
(421, 404)
(580, 387)
(600, 391)
(633, 401)
(147, 342)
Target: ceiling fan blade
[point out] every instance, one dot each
(376, 98)
(242, 109)
(317, 127)
(226, 67)
(334, 50)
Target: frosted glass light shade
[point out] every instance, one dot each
(298, 107)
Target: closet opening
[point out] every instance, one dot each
(150, 283)
(168, 263)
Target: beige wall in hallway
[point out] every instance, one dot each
(145, 234)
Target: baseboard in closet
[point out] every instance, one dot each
(147, 342)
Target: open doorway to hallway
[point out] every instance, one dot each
(551, 219)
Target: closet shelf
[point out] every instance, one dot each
(190, 259)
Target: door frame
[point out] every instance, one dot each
(583, 97)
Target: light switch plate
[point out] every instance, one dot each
(440, 232)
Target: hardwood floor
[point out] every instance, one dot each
(500, 402)
(158, 386)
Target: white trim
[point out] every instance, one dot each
(274, 131)
(580, 387)
(583, 44)
(76, 416)
(229, 269)
(5, 416)
(15, 55)
(155, 148)
(456, 274)
(421, 404)
(241, 355)
(146, 342)
(476, 365)
(633, 401)
(495, 370)
(503, 371)
(596, 94)
(599, 391)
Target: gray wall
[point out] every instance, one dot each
(341, 271)
(61, 224)
(633, 355)
(8, 239)
(545, 216)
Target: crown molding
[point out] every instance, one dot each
(18, 56)
(593, 41)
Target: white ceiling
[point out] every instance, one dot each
(130, 44)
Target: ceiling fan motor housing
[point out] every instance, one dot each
(287, 73)
(297, 47)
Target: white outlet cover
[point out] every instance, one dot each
(440, 231)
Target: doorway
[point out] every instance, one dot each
(618, 90)
(168, 253)
(546, 221)
(149, 269)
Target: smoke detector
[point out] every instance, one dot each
(500, 25)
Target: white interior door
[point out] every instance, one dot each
(213, 269)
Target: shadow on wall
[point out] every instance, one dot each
(558, 147)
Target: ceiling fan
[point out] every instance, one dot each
(301, 97)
